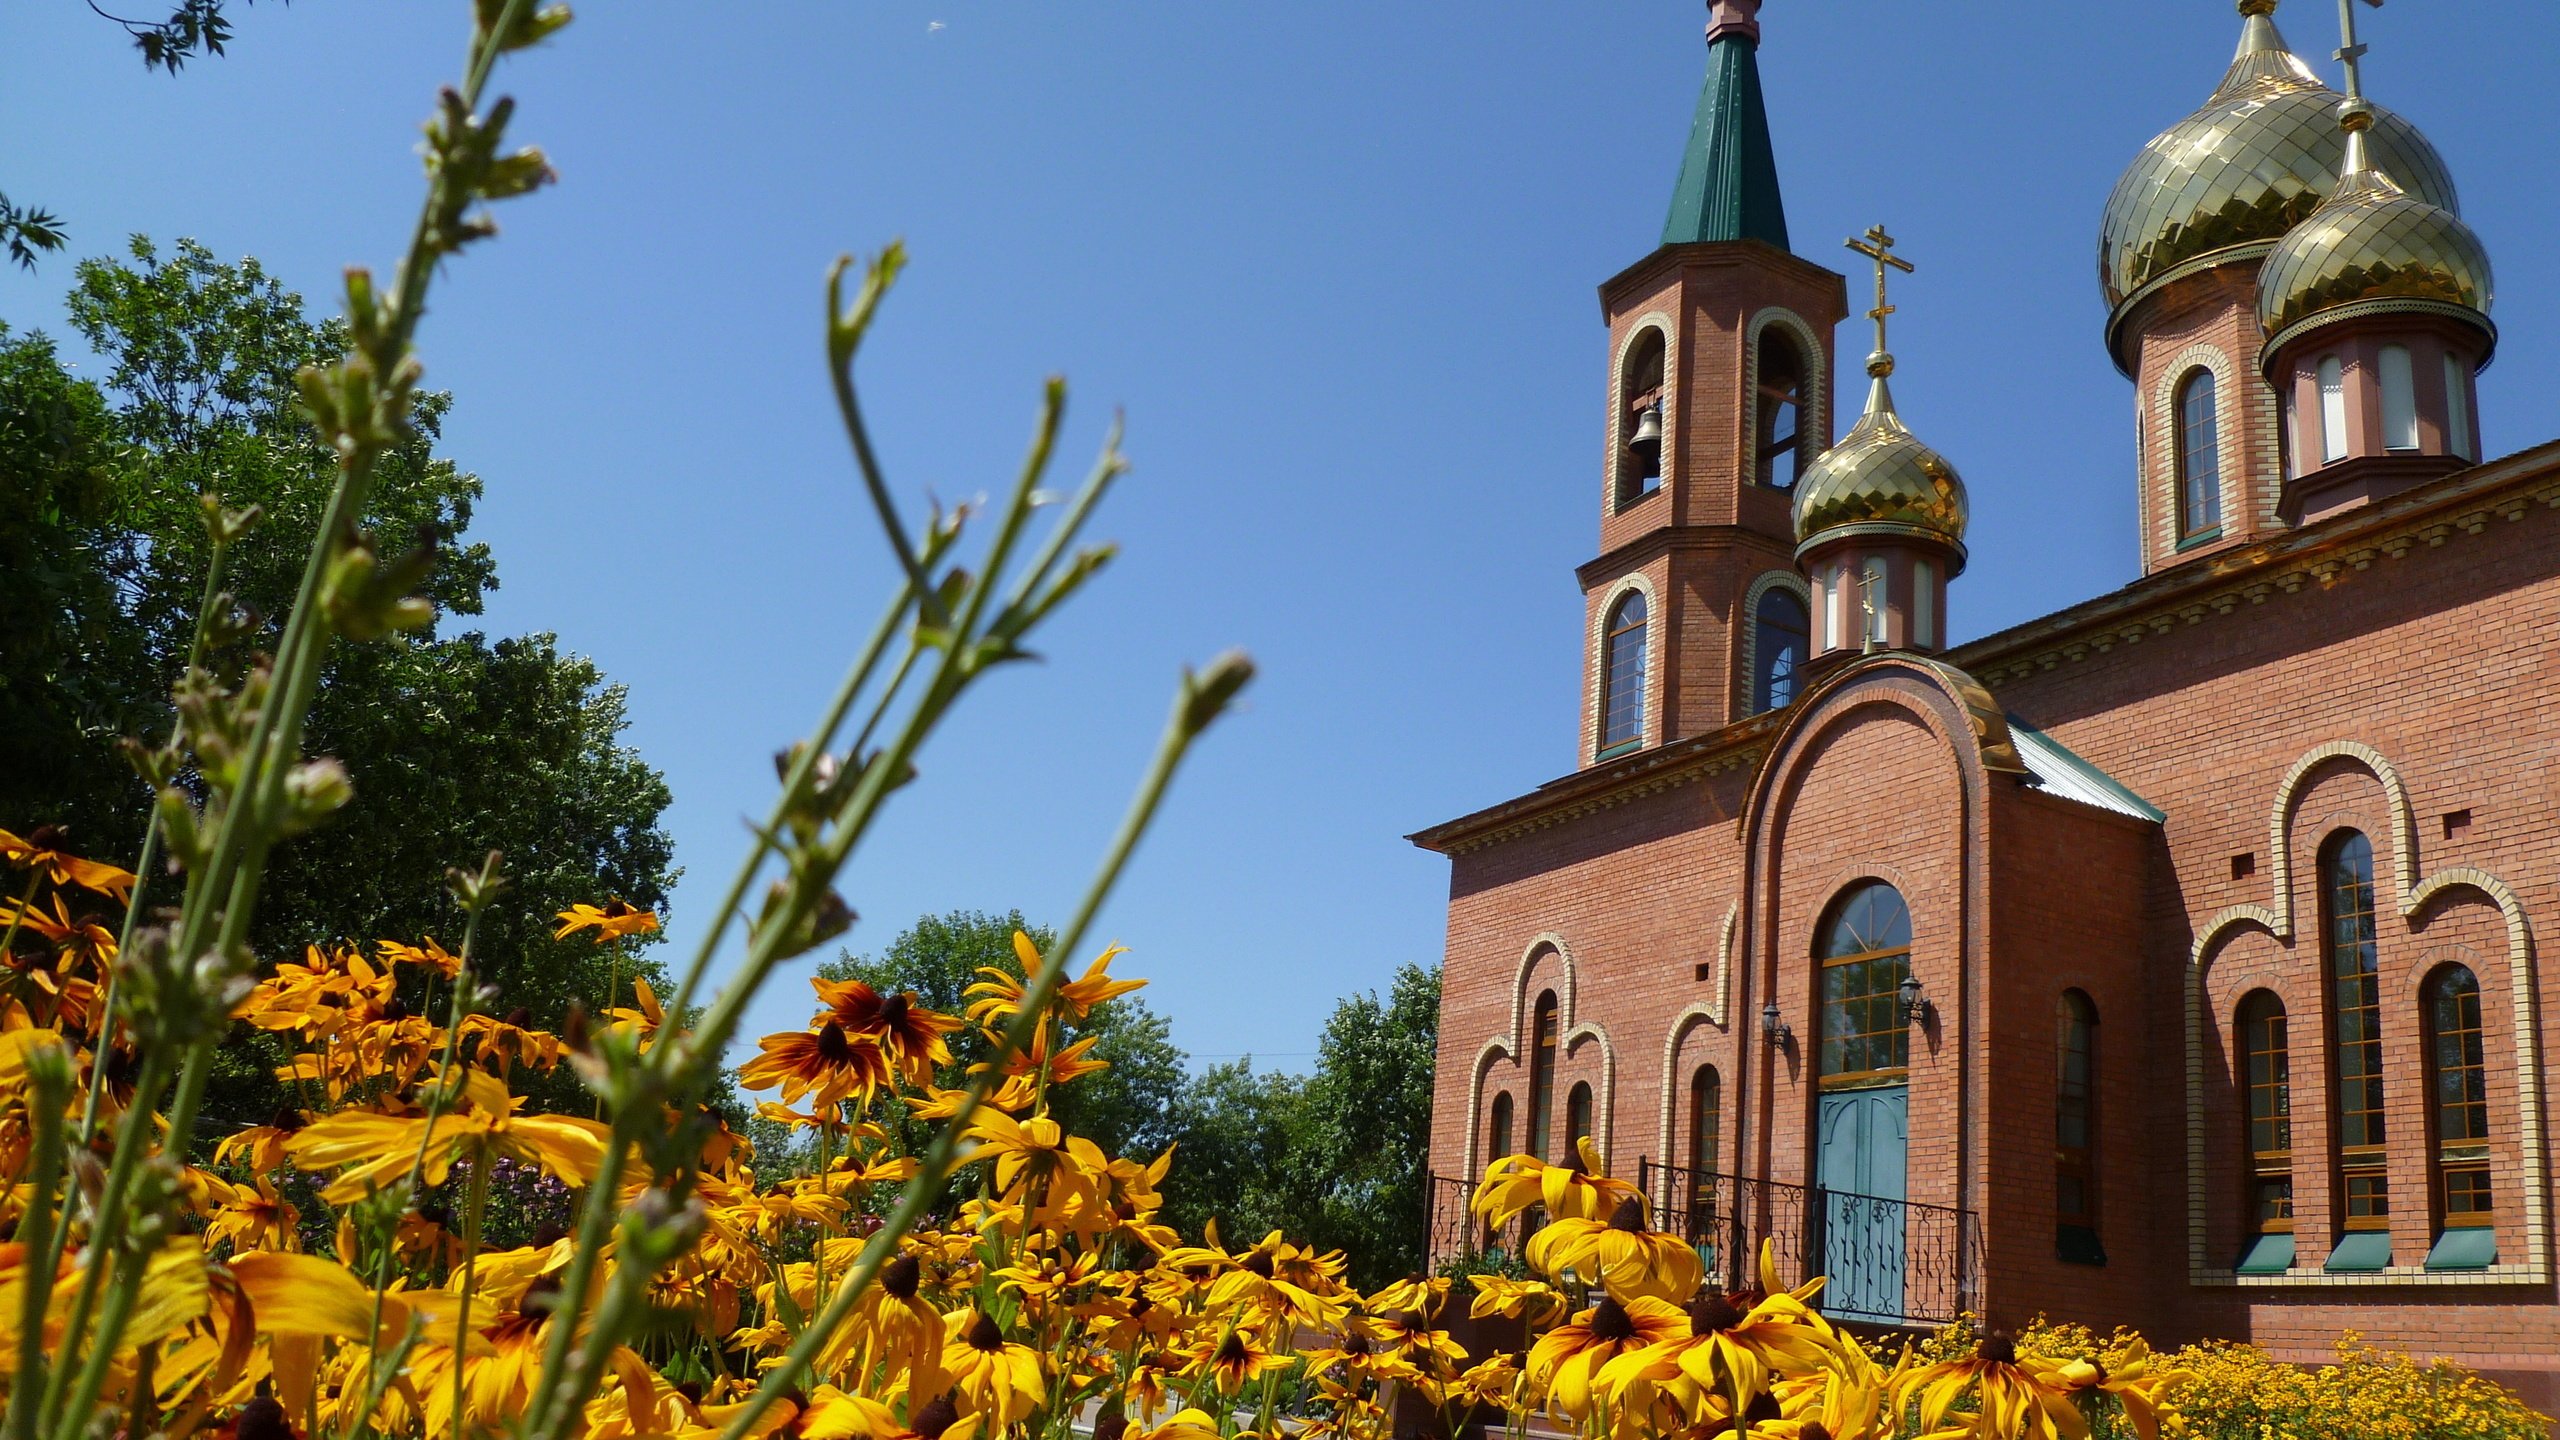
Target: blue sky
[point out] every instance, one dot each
(1336, 260)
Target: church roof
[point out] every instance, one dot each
(2054, 769)
(1728, 186)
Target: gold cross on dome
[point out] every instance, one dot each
(2350, 50)
(1878, 246)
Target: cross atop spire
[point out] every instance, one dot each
(2350, 51)
(1878, 246)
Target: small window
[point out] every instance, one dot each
(1706, 1123)
(2351, 960)
(2292, 437)
(2199, 458)
(2075, 1090)
(1782, 372)
(1639, 418)
(1542, 1077)
(1577, 1117)
(1866, 955)
(2457, 407)
(2458, 1078)
(1497, 1134)
(1777, 648)
(1924, 604)
(1622, 674)
(2399, 399)
(2333, 410)
(2266, 1077)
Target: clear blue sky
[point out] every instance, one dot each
(1337, 260)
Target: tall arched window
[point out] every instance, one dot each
(1542, 1077)
(2266, 1078)
(1706, 1103)
(1622, 674)
(2399, 398)
(2457, 406)
(2333, 409)
(1781, 632)
(1577, 1117)
(2350, 959)
(2075, 1141)
(1639, 417)
(2458, 1078)
(1782, 372)
(1866, 955)
(2199, 458)
(1497, 1132)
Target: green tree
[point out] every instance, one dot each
(459, 744)
(1365, 1121)
(1239, 1162)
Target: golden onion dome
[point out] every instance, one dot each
(1880, 480)
(2372, 246)
(2254, 162)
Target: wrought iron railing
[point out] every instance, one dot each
(1888, 1262)
(1450, 1229)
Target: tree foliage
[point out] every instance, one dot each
(459, 743)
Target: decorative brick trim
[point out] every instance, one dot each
(1605, 1110)
(2277, 920)
(1813, 413)
(1746, 629)
(1650, 320)
(1710, 1011)
(1649, 726)
(1507, 1047)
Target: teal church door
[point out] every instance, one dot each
(1864, 1143)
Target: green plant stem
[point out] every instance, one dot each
(35, 1230)
(473, 1209)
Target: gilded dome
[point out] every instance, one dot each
(1881, 479)
(2254, 162)
(2372, 241)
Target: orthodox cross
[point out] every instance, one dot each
(1878, 246)
(2349, 50)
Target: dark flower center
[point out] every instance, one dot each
(893, 1014)
(520, 1018)
(1998, 1349)
(833, 1047)
(1357, 1343)
(985, 1336)
(1138, 1308)
(939, 1414)
(394, 1010)
(1231, 1351)
(50, 837)
(1259, 1262)
(262, 1419)
(1814, 1430)
(1712, 1312)
(1111, 1426)
(1763, 1408)
(901, 1276)
(1610, 1321)
(1628, 1216)
(615, 910)
(286, 1119)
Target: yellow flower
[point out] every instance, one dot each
(1582, 1190)
(1565, 1365)
(907, 1030)
(1733, 1347)
(1232, 1359)
(1039, 1149)
(41, 851)
(830, 1065)
(2128, 1371)
(611, 921)
(834, 1415)
(1622, 1254)
(1532, 1301)
(1002, 994)
(2014, 1400)
(989, 1374)
(375, 1149)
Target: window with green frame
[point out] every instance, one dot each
(2266, 1071)
(1866, 955)
(2458, 1079)
(2352, 963)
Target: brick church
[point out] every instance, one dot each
(2168, 960)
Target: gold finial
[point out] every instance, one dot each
(2257, 7)
(1878, 246)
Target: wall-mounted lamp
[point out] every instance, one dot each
(1915, 1004)
(1774, 1027)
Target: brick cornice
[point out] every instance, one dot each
(1669, 539)
(1632, 777)
(2216, 584)
(1713, 255)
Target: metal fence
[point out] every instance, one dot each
(1888, 1262)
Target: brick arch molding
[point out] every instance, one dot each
(1650, 320)
(2414, 899)
(1647, 732)
(1507, 1047)
(1710, 1011)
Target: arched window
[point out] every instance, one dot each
(1782, 372)
(1706, 1102)
(1577, 1117)
(1497, 1133)
(2075, 1141)
(1924, 604)
(1622, 674)
(2458, 1078)
(1542, 1077)
(2266, 1078)
(2333, 409)
(2457, 406)
(1866, 955)
(2199, 458)
(2351, 961)
(2399, 398)
(1781, 632)
(1639, 417)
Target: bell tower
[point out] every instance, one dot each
(1719, 396)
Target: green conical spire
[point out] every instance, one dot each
(1729, 178)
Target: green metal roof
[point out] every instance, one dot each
(2058, 771)
(1729, 178)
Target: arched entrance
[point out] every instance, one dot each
(1862, 1115)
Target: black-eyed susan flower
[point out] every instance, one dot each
(827, 1065)
(369, 1150)
(1532, 1302)
(1230, 1360)
(2013, 1399)
(1583, 1190)
(1621, 1253)
(1001, 994)
(41, 850)
(1565, 1365)
(988, 1374)
(834, 1415)
(910, 1033)
(612, 920)
(2127, 1371)
(1037, 1149)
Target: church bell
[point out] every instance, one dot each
(1647, 441)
